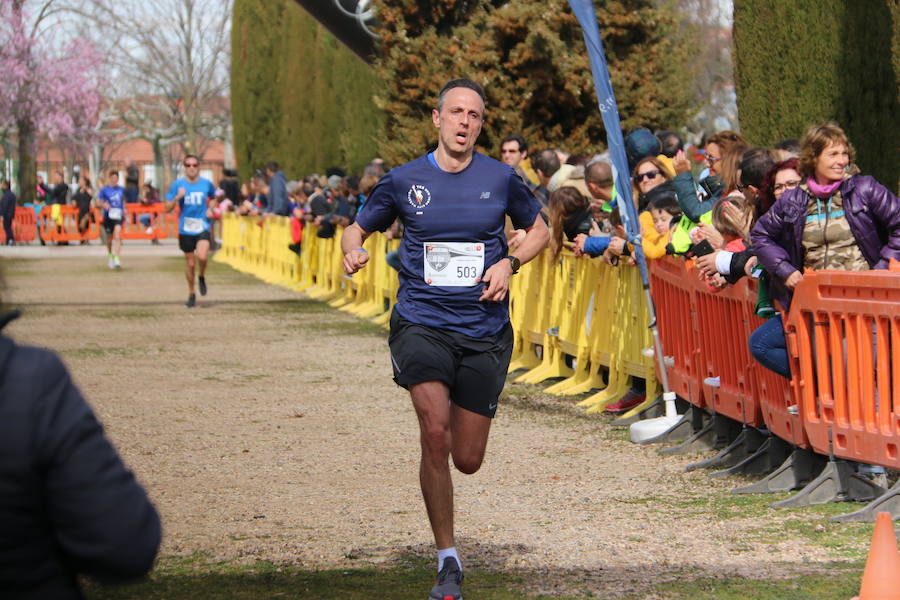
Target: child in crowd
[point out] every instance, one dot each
(731, 218)
(663, 213)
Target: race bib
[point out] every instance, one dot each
(115, 214)
(193, 225)
(453, 264)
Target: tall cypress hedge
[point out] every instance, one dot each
(799, 62)
(299, 96)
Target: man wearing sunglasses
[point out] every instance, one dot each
(193, 195)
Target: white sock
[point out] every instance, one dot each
(451, 551)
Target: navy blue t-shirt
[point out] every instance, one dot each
(437, 206)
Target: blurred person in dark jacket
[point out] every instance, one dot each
(68, 505)
(7, 210)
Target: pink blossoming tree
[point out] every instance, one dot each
(48, 88)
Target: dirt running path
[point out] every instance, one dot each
(266, 426)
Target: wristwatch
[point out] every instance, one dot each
(515, 262)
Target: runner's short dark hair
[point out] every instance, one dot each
(459, 83)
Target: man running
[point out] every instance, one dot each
(450, 337)
(112, 197)
(193, 194)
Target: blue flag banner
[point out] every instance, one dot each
(584, 11)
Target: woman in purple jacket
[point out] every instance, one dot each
(832, 220)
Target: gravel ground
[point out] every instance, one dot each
(266, 426)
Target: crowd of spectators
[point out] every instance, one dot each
(733, 209)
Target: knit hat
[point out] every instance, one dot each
(639, 144)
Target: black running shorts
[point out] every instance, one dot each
(188, 243)
(473, 368)
(110, 225)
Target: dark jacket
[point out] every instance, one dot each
(8, 205)
(60, 194)
(278, 196)
(68, 506)
(871, 210)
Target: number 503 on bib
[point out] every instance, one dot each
(453, 264)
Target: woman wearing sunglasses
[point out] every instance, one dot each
(698, 198)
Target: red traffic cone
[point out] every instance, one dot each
(881, 579)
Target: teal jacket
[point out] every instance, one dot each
(686, 189)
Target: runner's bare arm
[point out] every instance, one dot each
(170, 204)
(355, 258)
(497, 276)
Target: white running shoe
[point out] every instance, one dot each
(111, 263)
(117, 263)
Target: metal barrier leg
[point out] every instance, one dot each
(768, 456)
(838, 482)
(887, 502)
(796, 471)
(741, 446)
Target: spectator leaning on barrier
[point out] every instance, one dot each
(60, 192)
(649, 174)
(598, 179)
(132, 180)
(832, 220)
(752, 172)
(570, 216)
(662, 205)
(278, 203)
(69, 505)
(545, 163)
(229, 184)
(8, 210)
(337, 206)
(149, 197)
(43, 192)
(84, 199)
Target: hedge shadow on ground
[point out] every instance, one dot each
(198, 577)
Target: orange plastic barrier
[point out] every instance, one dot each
(157, 227)
(704, 335)
(674, 297)
(723, 328)
(58, 223)
(776, 394)
(24, 226)
(841, 333)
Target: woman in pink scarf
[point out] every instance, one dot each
(832, 220)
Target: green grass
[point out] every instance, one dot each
(838, 582)
(94, 351)
(197, 577)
